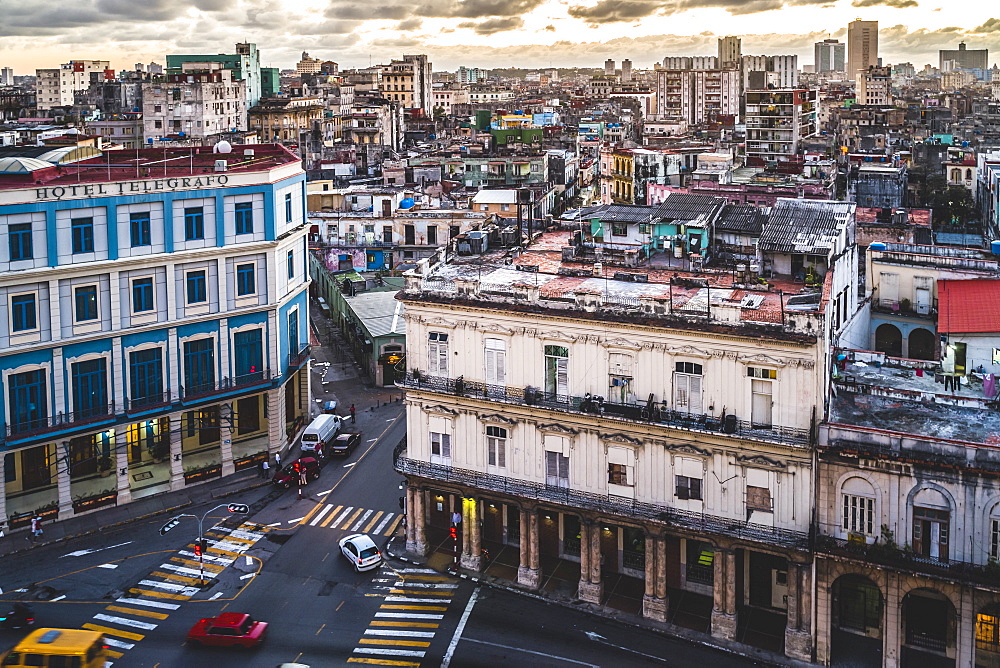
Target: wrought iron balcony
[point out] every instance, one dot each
(151, 402)
(606, 504)
(900, 558)
(657, 413)
(26, 428)
(296, 360)
(203, 390)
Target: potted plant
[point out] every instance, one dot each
(104, 465)
(158, 450)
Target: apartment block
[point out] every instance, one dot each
(200, 101)
(55, 87)
(697, 96)
(153, 323)
(778, 120)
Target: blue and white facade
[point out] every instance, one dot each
(154, 330)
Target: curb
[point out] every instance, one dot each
(590, 609)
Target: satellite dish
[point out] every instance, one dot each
(222, 147)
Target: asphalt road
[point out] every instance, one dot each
(292, 575)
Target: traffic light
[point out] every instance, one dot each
(453, 532)
(169, 525)
(241, 508)
(199, 547)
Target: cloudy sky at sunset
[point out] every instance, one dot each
(483, 33)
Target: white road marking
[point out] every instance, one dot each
(341, 516)
(148, 604)
(59, 598)
(364, 518)
(416, 570)
(182, 570)
(426, 585)
(215, 596)
(388, 652)
(407, 599)
(399, 634)
(80, 553)
(296, 520)
(528, 651)
(347, 466)
(409, 615)
(170, 586)
(248, 575)
(372, 440)
(108, 566)
(117, 643)
(210, 558)
(146, 626)
(460, 628)
(276, 524)
(249, 561)
(320, 515)
(326, 492)
(598, 638)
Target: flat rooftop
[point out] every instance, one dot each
(153, 163)
(710, 296)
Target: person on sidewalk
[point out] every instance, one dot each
(265, 468)
(277, 460)
(36, 529)
(352, 414)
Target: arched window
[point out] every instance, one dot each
(858, 507)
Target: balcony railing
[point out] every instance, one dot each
(652, 413)
(151, 402)
(202, 390)
(903, 559)
(296, 360)
(32, 426)
(605, 504)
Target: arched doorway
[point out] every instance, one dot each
(888, 340)
(856, 623)
(988, 637)
(928, 638)
(921, 344)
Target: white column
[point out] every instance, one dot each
(115, 297)
(58, 386)
(120, 445)
(225, 363)
(118, 375)
(176, 452)
(174, 363)
(275, 420)
(226, 438)
(63, 480)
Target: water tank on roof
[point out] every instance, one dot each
(995, 247)
(877, 246)
(406, 203)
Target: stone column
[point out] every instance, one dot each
(893, 630)
(724, 595)
(121, 468)
(275, 421)
(528, 573)
(798, 632)
(226, 439)
(418, 517)
(471, 558)
(3, 495)
(591, 587)
(584, 549)
(63, 481)
(176, 452)
(654, 602)
(410, 507)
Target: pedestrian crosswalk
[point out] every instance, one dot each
(416, 600)
(131, 617)
(350, 518)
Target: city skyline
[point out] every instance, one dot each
(525, 33)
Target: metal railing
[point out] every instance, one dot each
(153, 401)
(605, 504)
(28, 427)
(653, 413)
(904, 559)
(634, 560)
(226, 385)
(296, 360)
(699, 574)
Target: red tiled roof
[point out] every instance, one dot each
(969, 306)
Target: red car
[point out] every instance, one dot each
(230, 629)
(290, 474)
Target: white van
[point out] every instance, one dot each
(320, 433)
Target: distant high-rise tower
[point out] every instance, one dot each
(6, 76)
(609, 67)
(862, 47)
(730, 51)
(829, 56)
(626, 70)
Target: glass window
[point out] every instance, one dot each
(288, 207)
(197, 287)
(90, 388)
(194, 223)
(496, 444)
(146, 375)
(246, 283)
(441, 445)
(557, 372)
(617, 474)
(139, 227)
(437, 354)
(85, 298)
(28, 400)
(687, 487)
(23, 313)
(249, 350)
(199, 365)
(687, 388)
(859, 514)
(244, 218)
(142, 295)
(19, 241)
(556, 470)
(83, 235)
(291, 264)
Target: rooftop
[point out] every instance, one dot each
(146, 164)
(967, 306)
(380, 311)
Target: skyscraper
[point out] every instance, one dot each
(963, 58)
(729, 51)
(829, 56)
(862, 46)
(626, 70)
(609, 67)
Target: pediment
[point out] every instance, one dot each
(497, 418)
(690, 351)
(687, 449)
(760, 461)
(621, 439)
(761, 358)
(441, 410)
(621, 343)
(557, 429)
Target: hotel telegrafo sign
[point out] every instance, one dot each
(143, 187)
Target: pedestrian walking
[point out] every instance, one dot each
(36, 528)
(277, 460)
(352, 414)
(265, 467)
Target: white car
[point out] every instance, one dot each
(361, 551)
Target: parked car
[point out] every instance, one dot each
(344, 444)
(361, 551)
(230, 629)
(289, 475)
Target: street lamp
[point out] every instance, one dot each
(201, 543)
